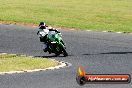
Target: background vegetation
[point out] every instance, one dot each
(113, 15)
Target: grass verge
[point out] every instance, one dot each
(13, 62)
(111, 15)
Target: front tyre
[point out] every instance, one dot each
(57, 54)
(64, 52)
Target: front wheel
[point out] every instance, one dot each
(57, 54)
(64, 52)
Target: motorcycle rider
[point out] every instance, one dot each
(43, 32)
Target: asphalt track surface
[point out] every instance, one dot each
(96, 52)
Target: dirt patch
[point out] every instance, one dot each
(35, 25)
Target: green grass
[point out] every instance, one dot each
(114, 15)
(12, 62)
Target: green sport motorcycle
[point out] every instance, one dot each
(56, 45)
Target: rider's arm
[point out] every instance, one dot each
(38, 30)
(54, 30)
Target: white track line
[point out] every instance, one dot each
(88, 30)
(118, 32)
(104, 31)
